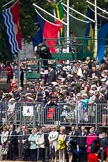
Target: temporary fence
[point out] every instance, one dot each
(37, 113)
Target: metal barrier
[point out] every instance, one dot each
(32, 114)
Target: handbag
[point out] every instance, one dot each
(26, 145)
(4, 151)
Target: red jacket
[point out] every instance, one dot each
(9, 70)
(93, 158)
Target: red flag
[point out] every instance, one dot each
(50, 33)
(16, 19)
(11, 19)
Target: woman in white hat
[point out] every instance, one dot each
(53, 140)
(11, 109)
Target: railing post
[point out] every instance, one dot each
(21, 114)
(58, 109)
(96, 116)
(77, 115)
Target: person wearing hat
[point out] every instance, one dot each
(84, 102)
(91, 108)
(22, 77)
(11, 109)
(53, 137)
(90, 138)
(103, 145)
(61, 144)
(13, 84)
(51, 75)
(93, 155)
(9, 72)
(78, 107)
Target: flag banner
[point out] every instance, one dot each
(60, 15)
(49, 31)
(11, 19)
(102, 23)
(90, 31)
(38, 38)
(77, 27)
(102, 34)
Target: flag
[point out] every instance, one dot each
(102, 34)
(60, 15)
(49, 31)
(102, 26)
(77, 27)
(90, 31)
(11, 20)
(37, 38)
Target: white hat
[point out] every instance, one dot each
(30, 98)
(70, 75)
(106, 83)
(62, 79)
(93, 86)
(12, 99)
(65, 68)
(54, 83)
(103, 79)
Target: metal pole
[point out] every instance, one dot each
(95, 42)
(79, 13)
(8, 3)
(18, 70)
(104, 11)
(67, 26)
(49, 14)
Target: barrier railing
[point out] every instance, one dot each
(32, 114)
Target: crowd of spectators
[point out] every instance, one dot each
(46, 143)
(80, 83)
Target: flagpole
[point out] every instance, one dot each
(79, 13)
(95, 42)
(49, 14)
(84, 21)
(8, 3)
(18, 69)
(67, 26)
(104, 11)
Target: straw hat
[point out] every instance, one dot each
(12, 99)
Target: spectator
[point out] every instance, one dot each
(52, 75)
(103, 146)
(33, 147)
(11, 109)
(20, 142)
(93, 155)
(53, 136)
(90, 138)
(9, 72)
(22, 77)
(61, 144)
(40, 141)
(4, 136)
(12, 143)
(81, 144)
(25, 145)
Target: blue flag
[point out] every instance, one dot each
(38, 38)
